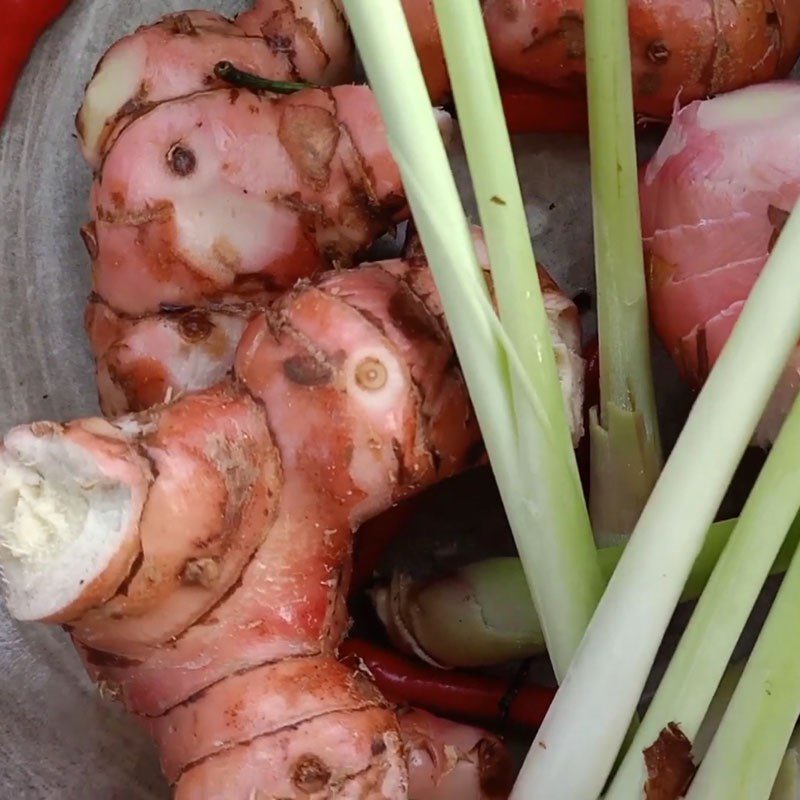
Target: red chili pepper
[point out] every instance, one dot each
(375, 536)
(477, 698)
(537, 109)
(23, 22)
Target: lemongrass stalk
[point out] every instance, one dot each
(524, 443)
(626, 379)
(626, 450)
(482, 614)
(578, 742)
(749, 745)
(624, 468)
(698, 664)
(716, 710)
(787, 783)
(567, 597)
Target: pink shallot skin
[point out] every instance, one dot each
(143, 362)
(284, 40)
(345, 399)
(714, 199)
(226, 194)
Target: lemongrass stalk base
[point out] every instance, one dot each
(482, 614)
(479, 615)
(625, 466)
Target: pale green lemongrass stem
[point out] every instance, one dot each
(787, 782)
(716, 710)
(482, 614)
(505, 224)
(624, 469)
(557, 497)
(749, 745)
(626, 451)
(519, 436)
(578, 742)
(699, 662)
(626, 377)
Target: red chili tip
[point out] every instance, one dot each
(477, 698)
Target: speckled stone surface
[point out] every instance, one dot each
(57, 739)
